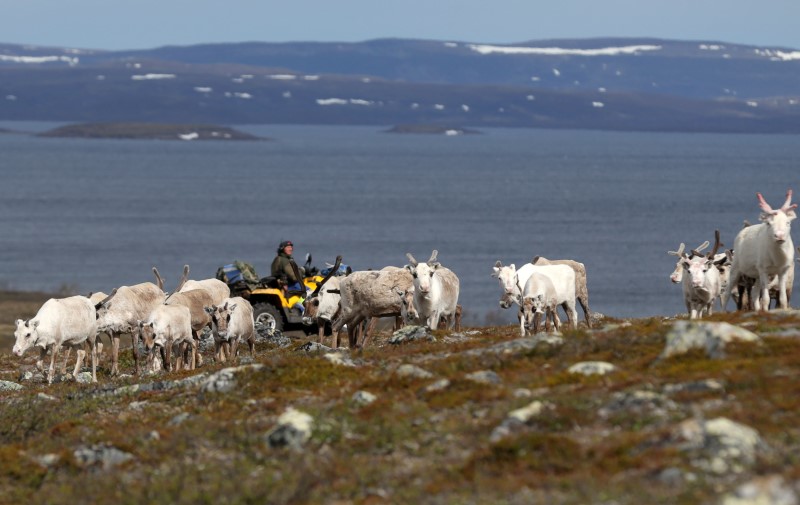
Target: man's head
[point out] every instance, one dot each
(286, 247)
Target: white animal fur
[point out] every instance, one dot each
(232, 323)
(581, 288)
(121, 314)
(323, 308)
(436, 290)
(166, 327)
(763, 250)
(539, 297)
(701, 285)
(368, 294)
(512, 280)
(196, 300)
(59, 322)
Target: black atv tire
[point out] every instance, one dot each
(268, 313)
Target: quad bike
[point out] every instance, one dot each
(274, 308)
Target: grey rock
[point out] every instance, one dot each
(46, 397)
(484, 377)
(314, 347)
(293, 430)
(363, 397)
(31, 376)
(592, 368)
(101, 455)
(411, 333)
(518, 346)
(84, 378)
(705, 386)
(274, 339)
(639, 401)
(712, 337)
(719, 446)
(338, 358)
(224, 380)
(412, 372)
(769, 490)
(516, 420)
(9, 386)
(439, 385)
(48, 460)
(179, 419)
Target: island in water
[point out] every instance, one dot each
(431, 129)
(149, 131)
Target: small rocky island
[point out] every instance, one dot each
(431, 129)
(149, 131)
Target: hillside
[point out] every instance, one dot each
(613, 84)
(630, 412)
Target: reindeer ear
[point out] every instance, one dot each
(35, 324)
(765, 217)
(231, 307)
(790, 213)
(512, 267)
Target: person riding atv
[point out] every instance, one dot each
(282, 266)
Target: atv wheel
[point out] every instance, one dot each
(268, 317)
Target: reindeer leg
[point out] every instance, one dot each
(66, 359)
(52, 369)
(134, 351)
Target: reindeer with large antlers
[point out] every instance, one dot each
(701, 284)
(764, 250)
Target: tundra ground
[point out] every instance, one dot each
(443, 437)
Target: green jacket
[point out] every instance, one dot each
(281, 265)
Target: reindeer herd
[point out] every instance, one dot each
(758, 269)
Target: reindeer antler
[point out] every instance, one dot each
(717, 245)
(764, 205)
(787, 204)
(678, 253)
(412, 260)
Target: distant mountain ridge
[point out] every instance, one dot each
(603, 83)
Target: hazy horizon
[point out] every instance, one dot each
(97, 24)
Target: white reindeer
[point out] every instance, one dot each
(59, 322)
(435, 290)
(763, 250)
(701, 287)
(539, 296)
(512, 281)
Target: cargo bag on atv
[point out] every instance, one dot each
(236, 272)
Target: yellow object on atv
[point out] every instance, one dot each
(309, 282)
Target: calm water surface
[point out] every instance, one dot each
(95, 214)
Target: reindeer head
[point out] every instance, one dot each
(147, 333)
(423, 272)
(509, 284)
(696, 267)
(407, 310)
(779, 221)
(25, 335)
(221, 317)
